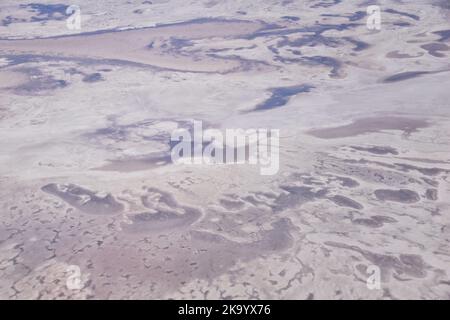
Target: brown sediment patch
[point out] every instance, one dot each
(402, 195)
(370, 125)
(137, 45)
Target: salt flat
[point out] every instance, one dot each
(86, 179)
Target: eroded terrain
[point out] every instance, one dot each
(87, 183)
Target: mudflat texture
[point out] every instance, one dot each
(86, 179)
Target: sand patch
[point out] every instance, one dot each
(11, 79)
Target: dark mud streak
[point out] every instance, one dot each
(333, 63)
(281, 96)
(402, 24)
(309, 40)
(118, 30)
(402, 195)
(10, 20)
(367, 223)
(431, 182)
(290, 18)
(25, 58)
(444, 4)
(359, 45)
(374, 221)
(398, 55)
(370, 125)
(244, 64)
(316, 39)
(326, 4)
(317, 29)
(434, 48)
(405, 14)
(348, 182)
(444, 34)
(405, 76)
(346, 202)
(357, 16)
(378, 150)
(425, 171)
(162, 221)
(94, 77)
(144, 163)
